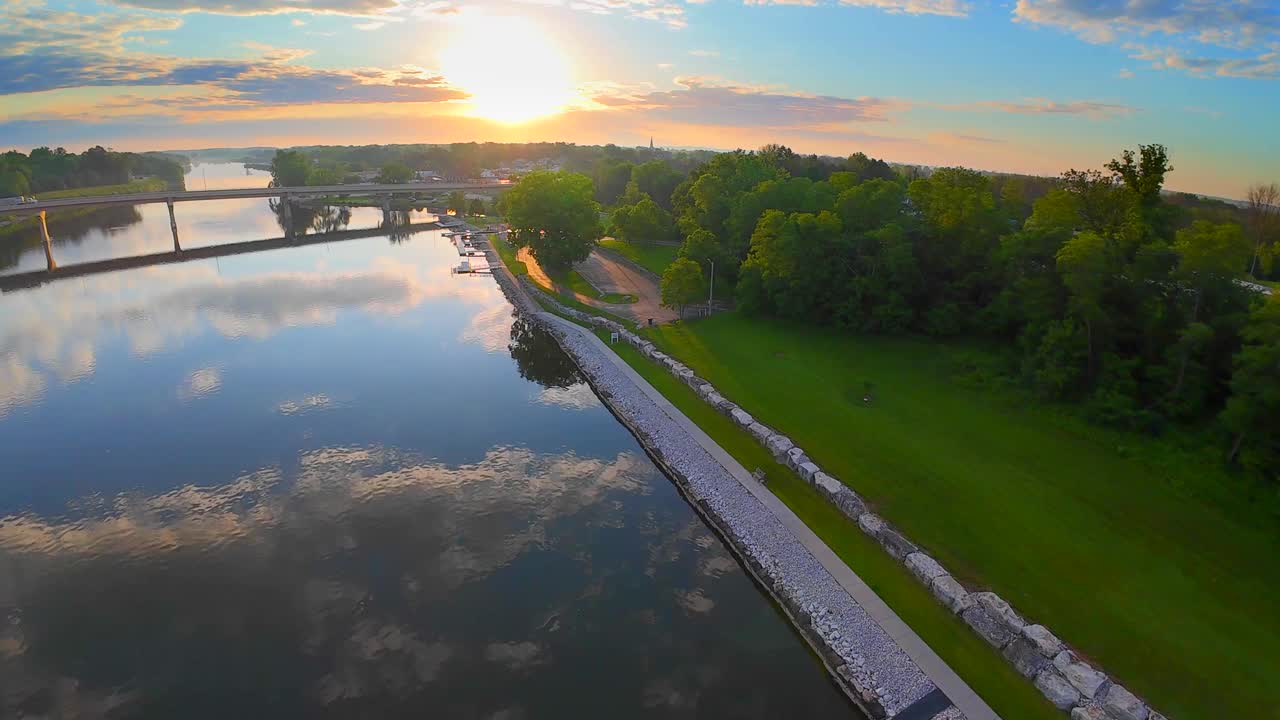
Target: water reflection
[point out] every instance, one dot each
(335, 480)
(538, 357)
(370, 580)
(67, 228)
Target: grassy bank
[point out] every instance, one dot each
(654, 258)
(1007, 692)
(517, 267)
(1137, 552)
(14, 224)
(136, 186)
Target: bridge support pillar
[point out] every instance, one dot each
(48, 246)
(173, 225)
(288, 215)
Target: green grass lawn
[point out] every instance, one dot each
(1007, 692)
(654, 258)
(1139, 553)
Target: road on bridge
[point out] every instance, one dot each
(165, 196)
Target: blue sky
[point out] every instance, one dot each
(1032, 86)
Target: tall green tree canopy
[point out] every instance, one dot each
(681, 284)
(642, 222)
(555, 216)
(395, 173)
(289, 168)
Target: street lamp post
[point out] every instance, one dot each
(711, 296)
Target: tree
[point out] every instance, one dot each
(553, 214)
(865, 168)
(325, 176)
(658, 180)
(612, 177)
(289, 168)
(1252, 413)
(1263, 215)
(681, 284)
(642, 222)
(1082, 262)
(456, 202)
(395, 173)
(476, 207)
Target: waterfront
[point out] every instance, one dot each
(336, 480)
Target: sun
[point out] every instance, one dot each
(512, 70)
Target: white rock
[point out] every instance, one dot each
(779, 445)
(761, 432)
(951, 593)
(1081, 676)
(870, 523)
(1088, 712)
(741, 417)
(807, 471)
(924, 567)
(1056, 689)
(1001, 611)
(1045, 642)
(1121, 704)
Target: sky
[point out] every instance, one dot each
(1034, 86)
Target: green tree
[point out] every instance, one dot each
(1252, 413)
(395, 173)
(658, 180)
(611, 178)
(1082, 262)
(475, 207)
(325, 176)
(643, 222)
(554, 215)
(1263, 215)
(290, 168)
(682, 284)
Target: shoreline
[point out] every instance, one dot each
(866, 661)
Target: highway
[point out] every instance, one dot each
(165, 196)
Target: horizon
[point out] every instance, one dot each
(1035, 87)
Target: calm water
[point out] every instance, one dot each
(337, 481)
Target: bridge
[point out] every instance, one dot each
(286, 194)
(20, 281)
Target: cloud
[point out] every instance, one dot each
(950, 8)
(270, 80)
(949, 138)
(352, 8)
(28, 28)
(1041, 106)
(708, 101)
(1264, 66)
(1215, 114)
(1222, 30)
(1125, 74)
(1218, 22)
(705, 53)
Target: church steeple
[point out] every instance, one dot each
(650, 143)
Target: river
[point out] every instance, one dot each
(337, 481)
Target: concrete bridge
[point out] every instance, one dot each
(286, 194)
(21, 281)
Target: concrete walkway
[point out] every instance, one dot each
(943, 677)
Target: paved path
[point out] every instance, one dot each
(616, 278)
(956, 689)
(608, 275)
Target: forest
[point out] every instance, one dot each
(1097, 288)
(45, 170)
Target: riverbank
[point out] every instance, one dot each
(13, 224)
(861, 641)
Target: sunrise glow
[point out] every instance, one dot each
(512, 70)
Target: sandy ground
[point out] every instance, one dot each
(610, 276)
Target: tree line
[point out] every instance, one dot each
(1097, 287)
(45, 169)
